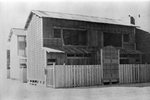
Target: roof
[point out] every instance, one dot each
(52, 50)
(77, 50)
(76, 17)
(68, 50)
(129, 51)
(16, 31)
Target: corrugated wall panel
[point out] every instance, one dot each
(35, 54)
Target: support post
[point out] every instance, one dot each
(119, 65)
(54, 77)
(102, 65)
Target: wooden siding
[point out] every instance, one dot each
(52, 42)
(130, 46)
(79, 61)
(94, 30)
(48, 35)
(95, 38)
(35, 53)
(60, 57)
(14, 59)
(143, 44)
(143, 41)
(50, 22)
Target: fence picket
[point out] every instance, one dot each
(88, 75)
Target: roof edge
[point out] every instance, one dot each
(36, 12)
(29, 18)
(11, 32)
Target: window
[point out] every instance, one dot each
(126, 37)
(51, 61)
(87, 55)
(8, 59)
(57, 33)
(22, 52)
(70, 55)
(74, 37)
(79, 55)
(124, 61)
(21, 46)
(113, 39)
(23, 61)
(21, 38)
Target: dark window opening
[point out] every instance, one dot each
(111, 39)
(137, 60)
(51, 61)
(70, 55)
(87, 55)
(22, 45)
(132, 20)
(126, 37)
(124, 61)
(8, 59)
(123, 55)
(74, 37)
(57, 33)
(79, 55)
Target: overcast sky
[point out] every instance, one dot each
(14, 14)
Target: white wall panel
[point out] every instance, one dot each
(35, 53)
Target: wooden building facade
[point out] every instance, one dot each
(76, 40)
(16, 55)
(143, 44)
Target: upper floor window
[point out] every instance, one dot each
(21, 42)
(21, 38)
(112, 39)
(74, 37)
(126, 37)
(21, 46)
(57, 33)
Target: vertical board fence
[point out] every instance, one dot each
(58, 76)
(134, 73)
(74, 75)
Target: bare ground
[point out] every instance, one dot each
(14, 90)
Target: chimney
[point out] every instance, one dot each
(132, 20)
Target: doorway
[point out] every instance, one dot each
(110, 63)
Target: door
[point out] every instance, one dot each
(49, 72)
(23, 73)
(110, 62)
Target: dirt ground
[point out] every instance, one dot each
(15, 90)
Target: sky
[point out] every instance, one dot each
(14, 14)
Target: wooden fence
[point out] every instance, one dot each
(75, 75)
(134, 73)
(90, 75)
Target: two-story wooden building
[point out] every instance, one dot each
(73, 39)
(16, 55)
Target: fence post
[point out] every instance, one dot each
(54, 77)
(64, 76)
(101, 66)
